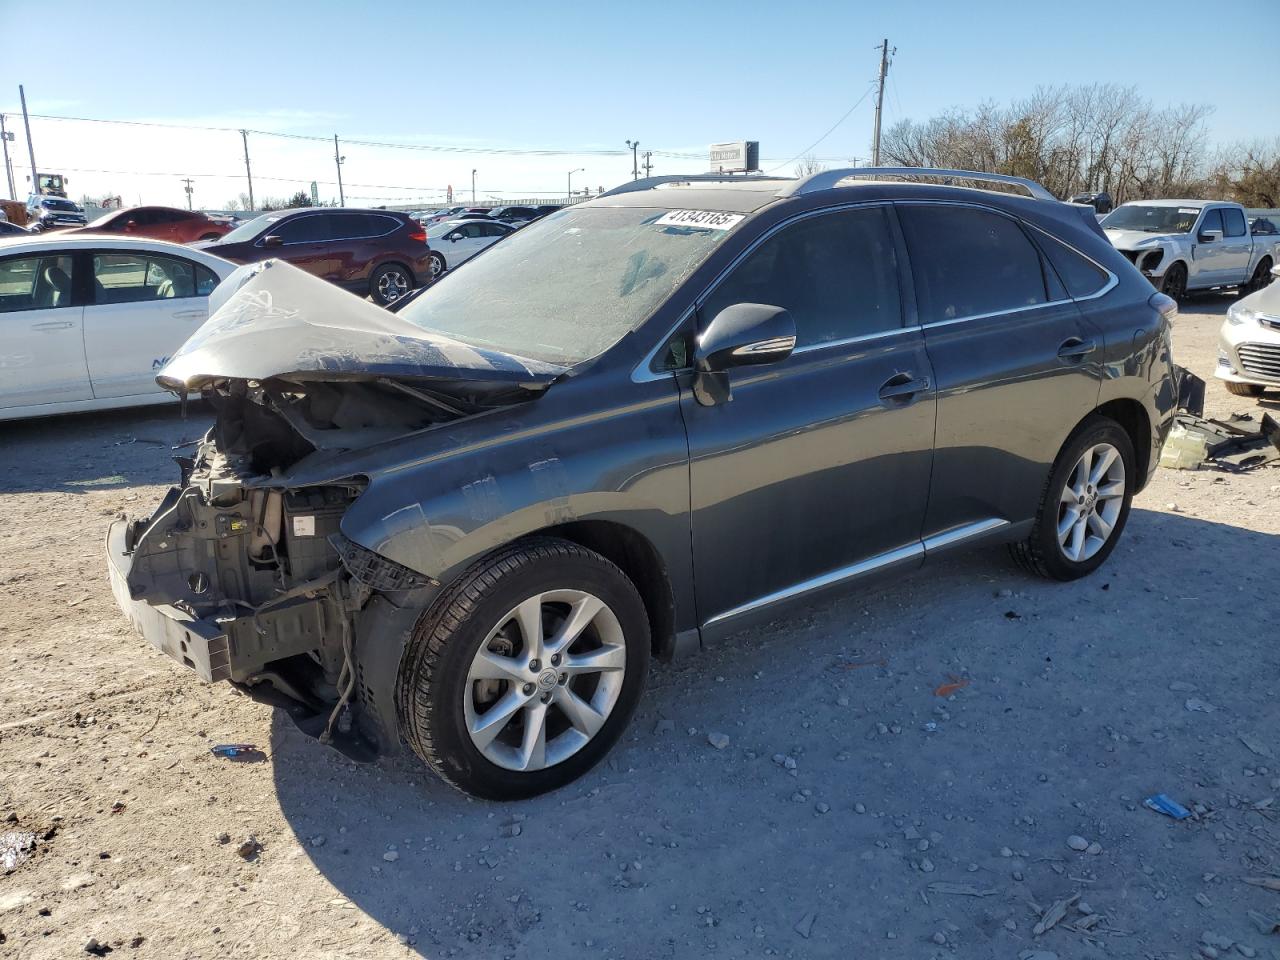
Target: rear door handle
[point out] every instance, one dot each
(188, 314)
(902, 387)
(53, 325)
(1076, 349)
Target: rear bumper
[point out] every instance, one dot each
(201, 645)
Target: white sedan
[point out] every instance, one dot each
(454, 241)
(1249, 342)
(86, 321)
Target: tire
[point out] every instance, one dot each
(438, 266)
(1043, 553)
(443, 704)
(389, 283)
(1261, 276)
(1174, 282)
(1243, 389)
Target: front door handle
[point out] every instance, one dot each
(902, 387)
(53, 325)
(188, 314)
(1074, 349)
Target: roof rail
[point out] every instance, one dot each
(826, 179)
(649, 183)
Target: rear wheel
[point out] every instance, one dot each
(526, 671)
(1261, 276)
(389, 283)
(1085, 503)
(1243, 389)
(1174, 282)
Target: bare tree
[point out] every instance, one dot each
(1071, 139)
(809, 165)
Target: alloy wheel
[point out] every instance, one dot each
(545, 680)
(392, 285)
(1091, 501)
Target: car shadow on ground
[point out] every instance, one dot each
(114, 449)
(673, 848)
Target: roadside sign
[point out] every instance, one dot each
(449, 196)
(738, 156)
(315, 193)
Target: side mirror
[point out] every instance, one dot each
(274, 240)
(1209, 236)
(130, 224)
(741, 335)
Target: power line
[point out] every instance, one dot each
(847, 113)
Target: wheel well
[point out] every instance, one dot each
(639, 560)
(1132, 416)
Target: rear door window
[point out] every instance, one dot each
(35, 283)
(360, 226)
(142, 277)
(1233, 220)
(836, 274)
(969, 263)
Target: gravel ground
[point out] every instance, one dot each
(907, 772)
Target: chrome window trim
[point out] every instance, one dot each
(642, 373)
(316, 213)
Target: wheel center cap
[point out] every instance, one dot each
(1090, 501)
(547, 680)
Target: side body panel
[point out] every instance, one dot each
(606, 450)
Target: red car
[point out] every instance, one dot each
(161, 223)
(379, 253)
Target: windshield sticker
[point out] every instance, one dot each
(1191, 210)
(707, 219)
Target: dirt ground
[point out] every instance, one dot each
(856, 812)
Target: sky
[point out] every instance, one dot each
(487, 86)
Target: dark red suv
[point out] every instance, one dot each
(381, 253)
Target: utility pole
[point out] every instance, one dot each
(635, 166)
(247, 172)
(342, 197)
(473, 187)
(648, 162)
(569, 187)
(31, 151)
(5, 137)
(188, 188)
(885, 54)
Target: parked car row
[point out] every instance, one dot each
(515, 215)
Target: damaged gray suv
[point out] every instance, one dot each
(639, 425)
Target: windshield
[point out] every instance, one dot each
(1152, 219)
(569, 286)
(53, 203)
(249, 230)
(438, 230)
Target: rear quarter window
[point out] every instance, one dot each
(1080, 275)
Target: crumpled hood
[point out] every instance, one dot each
(1133, 239)
(271, 319)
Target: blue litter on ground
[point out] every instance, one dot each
(232, 749)
(1163, 803)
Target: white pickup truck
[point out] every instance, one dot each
(1182, 245)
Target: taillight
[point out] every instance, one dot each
(1166, 305)
(419, 235)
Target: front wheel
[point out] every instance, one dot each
(1174, 282)
(526, 671)
(1085, 503)
(438, 266)
(389, 283)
